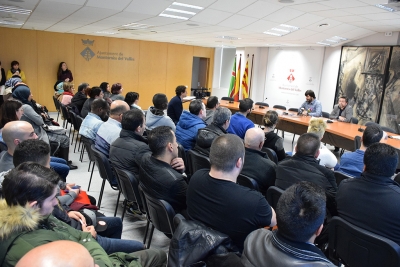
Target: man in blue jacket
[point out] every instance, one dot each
(189, 123)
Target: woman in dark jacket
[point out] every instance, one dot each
(272, 140)
(63, 73)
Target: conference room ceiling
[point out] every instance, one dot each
(229, 23)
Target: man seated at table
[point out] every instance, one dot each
(342, 111)
(300, 215)
(214, 198)
(351, 163)
(94, 119)
(206, 136)
(212, 105)
(239, 122)
(312, 106)
(257, 165)
(372, 201)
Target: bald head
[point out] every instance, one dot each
(53, 254)
(254, 138)
(117, 108)
(15, 132)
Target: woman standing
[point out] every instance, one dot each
(63, 73)
(15, 70)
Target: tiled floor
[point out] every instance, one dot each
(133, 227)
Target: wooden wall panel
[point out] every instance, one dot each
(157, 67)
(152, 71)
(179, 67)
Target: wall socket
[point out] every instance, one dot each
(388, 33)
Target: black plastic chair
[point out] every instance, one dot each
(247, 182)
(387, 129)
(87, 143)
(325, 114)
(294, 109)
(271, 154)
(57, 105)
(279, 107)
(354, 120)
(77, 125)
(340, 176)
(273, 195)
(357, 142)
(227, 98)
(159, 213)
(357, 247)
(105, 171)
(65, 115)
(182, 154)
(197, 161)
(261, 104)
(130, 189)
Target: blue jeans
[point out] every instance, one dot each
(60, 166)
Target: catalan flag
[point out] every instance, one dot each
(245, 81)
(237, 83)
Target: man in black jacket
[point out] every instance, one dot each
(303, 166)
(80, 97)
(257, 165)
(205, 136)
(161, 172)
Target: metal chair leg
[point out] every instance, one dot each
(123, 212)
(101, 193)
(116, 206)
(91, 175)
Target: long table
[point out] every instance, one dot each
(340, 134)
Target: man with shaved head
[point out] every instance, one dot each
(14, 133)
(257, 165)
(110, 130)
(53, 254)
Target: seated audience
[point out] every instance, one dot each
(326, 157)
(53, 254)
(303, 166)
(116, 92)
(67, 94)
(155, 115)
(15, 70)
(175, 107)
(371, 202)
(257, 165)
(272, 140)
(105, 88)
(212, 105)
(214, 198)
(300, 215)
(14, 133)
(132, 98)
(94, 93)
(189, 123)
(11, 110)
(31, 199)
(239, 122)
(109, 131)
(205, 136)
(161, 171)
(79, 98)
(92, 122)
(351, 163)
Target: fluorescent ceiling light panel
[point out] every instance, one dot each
(282, 30)
(13, 9)
(293, 28)
(137, 26)
(228, 37)
(11, 23)
(107, 32)
(180, 11)
(273, 33)
(385, 7)
(322, 43)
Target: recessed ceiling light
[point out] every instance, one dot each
(322, 43)
(323, 25)
(107, 32)
(137, 26)
(186, 5)
(173, 16)
(228, 37)
(13, 9)
(273, 33)
(11, 23)
(385, 7)
(281, 30)
(180, 11)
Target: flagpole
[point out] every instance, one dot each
(251, 73)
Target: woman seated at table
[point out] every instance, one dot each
(272, 140)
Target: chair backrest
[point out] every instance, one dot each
(325, 114)
(340, 176)
(262, 104)
(88, 143)
(79, 121)
(357, 142)
(227, 98)
(197, 161)
(358, 247)
(388, 129)
(279, 107)
(294, 109)
(271, 154)
(72, 115)
(369, 123)
(354, 120)
(64, 112)
(247, 182)
(273, 195)
(129, 185)
(56, 103)
(182, 154)
(160, 212)
(103, 165)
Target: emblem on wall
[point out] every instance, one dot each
(291, 78)
(87, 53)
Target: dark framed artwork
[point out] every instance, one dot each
(361, 79)
(391, 101)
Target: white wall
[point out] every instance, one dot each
(329, 75)
(223, 64)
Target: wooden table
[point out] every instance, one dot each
(340, 134)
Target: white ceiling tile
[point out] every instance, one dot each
(317, 37)
(350, 19)
(115, 5)
(283, 15)
(300, 34)
(72, 2)
(316, 26)
(343, 3)
(151, 7)
(372, 2)
(310, 7)
(201, 3)
(391, 22)
(261, 26)
(304, 20)
(383, 16)
(231, 6)
(358, 33)
(237, 21)
(211, 16)
(332, 13)
(365, 10)
(384, 28)
(260, 9)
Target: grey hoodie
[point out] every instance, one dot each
(153, 121)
